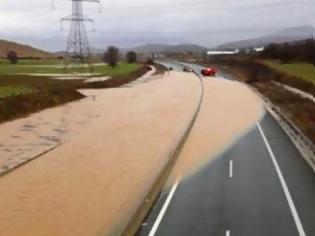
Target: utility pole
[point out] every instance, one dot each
(78, 53)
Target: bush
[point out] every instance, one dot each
(12, 57)
(131, 57)
(149, 62)
(111, 56)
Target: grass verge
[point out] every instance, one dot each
(304, 71)
(300, 110)
(18, 106)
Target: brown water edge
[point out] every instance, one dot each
(26, 139)
(50, 92)
(144, 209)
(204, 162)
(93, 184)
(229, 111)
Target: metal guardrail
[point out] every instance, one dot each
(302, 142)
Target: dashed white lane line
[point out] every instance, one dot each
(227, 233)
(231, 169)
(294, 212)
(163, 210)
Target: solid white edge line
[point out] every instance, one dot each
(163, 210)
(294, 212)
(227, 233)
(231, 169)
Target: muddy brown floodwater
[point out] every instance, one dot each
(93, 183)
(229, 110)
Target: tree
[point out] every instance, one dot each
(310, 51)
(205, 56)
(271, 51)
(111, 56)
(12, 57)
(285, 54)
(131, 57)
(149, 61)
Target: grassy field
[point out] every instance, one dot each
(21, 95)
(12, 83)
(121, 69)
(31, 68)
(34, 62)
(300, 70)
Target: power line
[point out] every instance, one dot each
(78, 48)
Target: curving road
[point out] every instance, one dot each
(261, 186)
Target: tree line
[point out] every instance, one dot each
(110, 56)
(300, 51)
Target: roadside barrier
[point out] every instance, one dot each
(301, 141)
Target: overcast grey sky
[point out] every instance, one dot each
(128, 23)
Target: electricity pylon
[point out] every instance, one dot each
(78, 52)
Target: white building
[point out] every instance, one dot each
(218, 52)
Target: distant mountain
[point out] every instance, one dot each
(163, 48)
(285, 35)
(22, 50)
(152, 48)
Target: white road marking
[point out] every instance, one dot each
(294, 212)
(163, 210)
(227, 233)
(231, 169)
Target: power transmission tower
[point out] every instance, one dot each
(78, 49)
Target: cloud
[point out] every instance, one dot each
(125, 23)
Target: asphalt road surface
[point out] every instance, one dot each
(178, 66)
(261, 186)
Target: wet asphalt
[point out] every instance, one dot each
(240, 193)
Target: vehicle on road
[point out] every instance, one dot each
(187, 69)
(208, 71)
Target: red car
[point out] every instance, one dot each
(208, 71)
